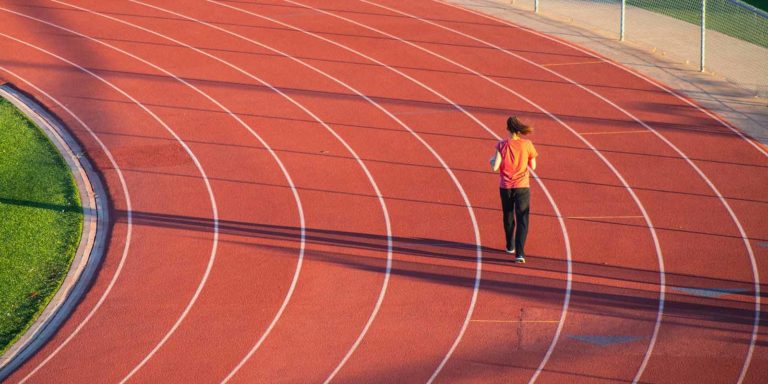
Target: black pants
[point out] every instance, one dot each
(516, 203)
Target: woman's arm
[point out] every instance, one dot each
(532, 163)
(495, 161)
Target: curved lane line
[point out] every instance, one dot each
(186, 148)
(422, 141)
(735, 219)
(128, 208)
(216, 224)
(311, 114)
(629, 70)
(585, 141)
(169, 129)
(472, 117)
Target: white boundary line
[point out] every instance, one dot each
(311, 114)
(585, 141)
(735, 219)
(122, 261)
(472, 117)
(17, 360)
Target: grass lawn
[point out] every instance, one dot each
(41, 221)
(722, 16)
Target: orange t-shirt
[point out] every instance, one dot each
(515, 155)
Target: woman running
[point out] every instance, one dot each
(512, 159)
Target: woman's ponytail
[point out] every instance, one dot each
(514, 125)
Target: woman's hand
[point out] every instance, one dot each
(495, 161)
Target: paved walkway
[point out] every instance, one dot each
(738, 105)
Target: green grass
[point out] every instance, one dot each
(722, 16)
(41, 221)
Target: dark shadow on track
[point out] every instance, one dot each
(479, 138)
(479, 207)
(733, 312)
(707, 127)
(279, 28)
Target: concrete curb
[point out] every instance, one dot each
(91, 250)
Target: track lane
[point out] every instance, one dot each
(388, 237)
(146, 200)
(733, 216)
(619, 149)
(175, 221)
(690, 118)
(568, 275)
(635, 198)
(417, 136)
(457, 107)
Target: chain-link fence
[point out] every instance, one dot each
(733, 44)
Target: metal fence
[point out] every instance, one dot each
(725, 37)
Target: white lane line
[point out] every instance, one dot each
(573, 63)
(456, 182)
(481, 124)
(615, 132)
(327, 127)
(555, 118)
(167, 128)
(128, 208)
(209, 267)
(727, 206)
(754, 143)
(603, 217)
(516, 321)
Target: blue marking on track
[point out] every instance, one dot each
(763, 244)
(709, 292)
(605, 340)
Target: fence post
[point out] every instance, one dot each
(703, 35)
(622, 21)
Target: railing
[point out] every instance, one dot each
(725, 37)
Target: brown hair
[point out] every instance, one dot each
(514, 125)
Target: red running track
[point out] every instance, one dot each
(301, 195)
